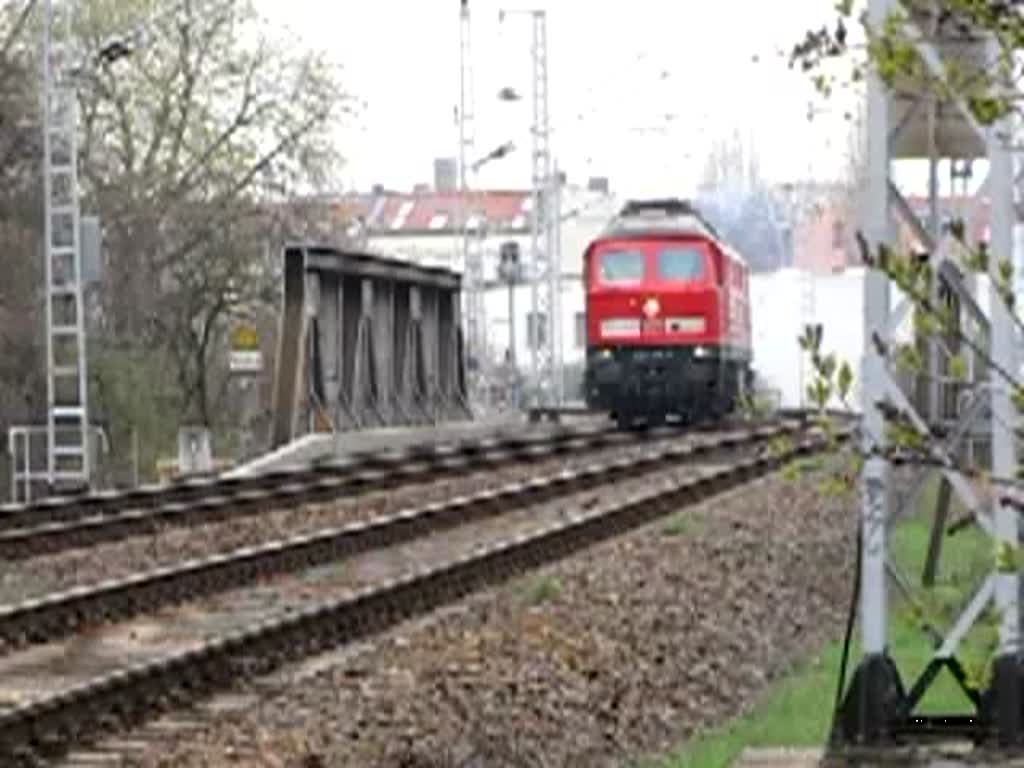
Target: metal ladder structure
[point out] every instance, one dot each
(877, 708)
(67, 426)
(544, 272)
(545, 282)
(471, 253)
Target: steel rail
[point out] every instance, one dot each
(68, 508)
(322, 485)
(50, 725)
(62, 614)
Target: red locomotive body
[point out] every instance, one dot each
(668, 316)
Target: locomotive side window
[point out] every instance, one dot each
(622, 267)
(681, 264)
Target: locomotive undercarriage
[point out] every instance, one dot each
(651, 385)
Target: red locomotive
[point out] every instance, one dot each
(668, 317)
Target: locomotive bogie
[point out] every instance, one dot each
(651, 385)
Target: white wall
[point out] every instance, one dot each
(776, 319)
(786, 301)
(496, 307)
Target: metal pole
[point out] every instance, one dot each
(1002, 351)
(876, 312)
(66, 373)
(541, 299)
(512, 339)
(472, 277)
(553, 245)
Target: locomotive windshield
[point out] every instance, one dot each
(622, 267)
(681, 263)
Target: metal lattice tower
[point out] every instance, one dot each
(545, 278)
(554, 247)
(66, 374)
(877, 704)
(471, 253)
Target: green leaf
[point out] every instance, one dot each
(1006, 557)
(1017, 398)
(1006, 270)
(827, 366)
(844, 380)
(958, 367)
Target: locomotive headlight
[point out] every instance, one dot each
(651, 308)
(605, 354)
(701, 352)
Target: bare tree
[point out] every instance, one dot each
(182, 144)
(22, 393)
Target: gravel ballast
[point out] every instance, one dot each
(627, 649)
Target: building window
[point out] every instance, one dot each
(536, 333)
(581, 330)
(838, 233)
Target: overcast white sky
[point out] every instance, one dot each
(617, 70)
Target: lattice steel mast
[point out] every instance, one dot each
(472, 257)
(878, 706)
(67, 420)
(545, 270)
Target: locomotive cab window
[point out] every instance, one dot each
(618, 267)
(681, 264)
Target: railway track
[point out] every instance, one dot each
(124, 695)
(73, 525)
(64, 613)
(242, 489)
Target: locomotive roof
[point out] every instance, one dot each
(669, 216)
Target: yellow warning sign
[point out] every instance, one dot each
(245, 339)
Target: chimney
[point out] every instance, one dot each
(598, 184)
(378, 189)
(445, 176)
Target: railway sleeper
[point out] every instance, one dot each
(224, 571)
(22, 543)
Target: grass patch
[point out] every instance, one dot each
(682, 523)
(797, 710)
(325, 571)
(538, 590)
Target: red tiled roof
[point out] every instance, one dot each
(415, 212)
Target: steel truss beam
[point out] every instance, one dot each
(877, 708)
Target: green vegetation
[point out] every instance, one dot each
(536, 590)
(682, 522)
(796, 711)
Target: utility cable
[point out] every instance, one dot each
(850, 620)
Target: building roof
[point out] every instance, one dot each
(401, 213)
